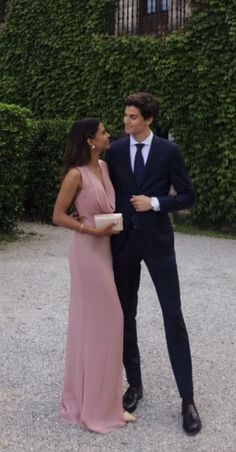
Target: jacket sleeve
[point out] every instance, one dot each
(108, 160)
(179, 178)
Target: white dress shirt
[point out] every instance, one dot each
(145, 152)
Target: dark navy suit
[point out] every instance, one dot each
(152, 242)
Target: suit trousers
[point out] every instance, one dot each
(163, 270)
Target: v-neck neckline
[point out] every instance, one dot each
(102, 182)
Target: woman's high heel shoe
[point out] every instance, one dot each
(129, 417)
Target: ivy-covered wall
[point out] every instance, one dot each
(56, 59)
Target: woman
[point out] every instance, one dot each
(92, 395)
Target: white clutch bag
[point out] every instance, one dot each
(107, 218)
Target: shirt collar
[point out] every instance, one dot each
(147, 141)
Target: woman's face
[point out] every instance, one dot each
(101, 140)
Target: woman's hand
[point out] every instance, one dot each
(104, 231)
(97, 232)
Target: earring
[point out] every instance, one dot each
(93, 146)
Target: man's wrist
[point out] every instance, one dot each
(155, 205)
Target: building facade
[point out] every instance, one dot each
(150, 17)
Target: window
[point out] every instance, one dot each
(151, 6)
(165, 5)
(148, 17)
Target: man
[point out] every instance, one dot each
(142, 168)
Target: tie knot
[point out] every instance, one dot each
(139, 146)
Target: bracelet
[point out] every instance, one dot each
(81, 227)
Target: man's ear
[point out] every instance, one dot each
(149, 120)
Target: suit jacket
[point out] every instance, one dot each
(165, 166)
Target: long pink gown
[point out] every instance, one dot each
(92, 395)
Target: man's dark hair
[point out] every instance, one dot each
(146, 103)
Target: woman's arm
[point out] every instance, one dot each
(71, 184)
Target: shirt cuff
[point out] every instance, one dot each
(155, 204)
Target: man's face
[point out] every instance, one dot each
(134, 122)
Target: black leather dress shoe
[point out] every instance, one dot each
(131, 398)
(191, 419)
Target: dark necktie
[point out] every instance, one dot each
(139, 164)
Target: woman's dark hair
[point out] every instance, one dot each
(146, 103)
(77, 149)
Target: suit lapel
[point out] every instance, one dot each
(127, 168)
(151, 158)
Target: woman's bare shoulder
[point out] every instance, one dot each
(74, 173)
(73, 178)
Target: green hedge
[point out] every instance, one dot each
(45, 163)
(31, 156)
(15, 140)
(58, 60)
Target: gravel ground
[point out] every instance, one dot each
(34, 287)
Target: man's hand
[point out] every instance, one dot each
(141, 203)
